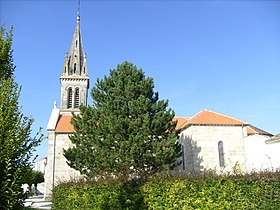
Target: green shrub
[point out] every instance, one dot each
(98, 195)
(257, 191)
(207, 191)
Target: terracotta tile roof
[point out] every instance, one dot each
(251, 130)
(213, 118)
(181, 122)
(276, 137)
(64, 124)
(207, 117)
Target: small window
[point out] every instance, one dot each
(183, 157)
(221, 154)
(76, 43)
(75, 68)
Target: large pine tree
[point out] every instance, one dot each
(127, 131)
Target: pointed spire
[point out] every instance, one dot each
(75, 60)
(74, 79)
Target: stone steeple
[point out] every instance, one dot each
(74, 79)
(74, 82)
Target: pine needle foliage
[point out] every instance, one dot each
(127, 132)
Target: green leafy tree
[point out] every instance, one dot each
(127, 131)
(38, 177)
(16, 145)
(32, 177)
(6, 58)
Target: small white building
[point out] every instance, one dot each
(262, 152)
(40, 165)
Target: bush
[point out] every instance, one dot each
(214, 192)
(207, 191)
(98, 195)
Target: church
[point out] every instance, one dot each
(209, 140)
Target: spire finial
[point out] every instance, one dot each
(78, 7)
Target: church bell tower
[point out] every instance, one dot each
(74, 83)
(74, 79)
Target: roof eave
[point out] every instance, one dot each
(209, 124)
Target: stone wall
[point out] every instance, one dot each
(62, 170)
(73, 82)
(200, 143)
(57, 169)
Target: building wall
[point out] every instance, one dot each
(49, 168)
(272, 151)
(57, 169)
(201, 151)
(40, 165)
(261, 155)
(63, 172)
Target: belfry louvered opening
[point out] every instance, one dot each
(77, 98)
(70, 96)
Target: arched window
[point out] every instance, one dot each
(70, 95)
(76, 43)
(77, 98)
(75, 68)
(183, 157)
(221, 154)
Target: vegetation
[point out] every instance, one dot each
(32, 177)
(16, 145)
(6, 54)
(200, 191)
(127, 132)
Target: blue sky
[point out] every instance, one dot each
(217, 55)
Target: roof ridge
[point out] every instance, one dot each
(181, 117)
(205, 112)
(197, 114)
(244, 122)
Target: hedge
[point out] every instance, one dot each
(254, 191)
